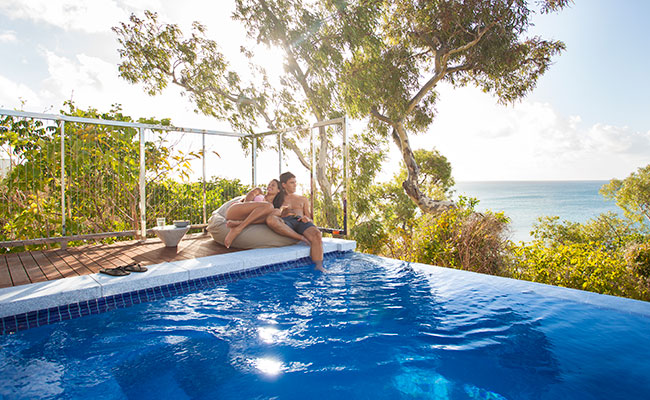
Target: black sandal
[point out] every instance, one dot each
(134, 267)
(119, 271)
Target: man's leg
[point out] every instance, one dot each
(278, 226)
(256, 216)
(315, 237)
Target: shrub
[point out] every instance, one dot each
(607, 228)
(587, 266)
(457, 238)
(370, 236)
(638, 257)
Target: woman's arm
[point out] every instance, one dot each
(251, 195)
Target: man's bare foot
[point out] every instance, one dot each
(233, 223)
(230, 237)
(319, 267)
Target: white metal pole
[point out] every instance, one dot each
(254, 153)
(346, 175)
(280, 154)
(143, 199)
(63, 212)
(204, 195)
(312, 169)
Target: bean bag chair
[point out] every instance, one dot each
(252, 237)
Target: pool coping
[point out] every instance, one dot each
(35, 304)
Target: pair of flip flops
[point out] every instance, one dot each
(123, 270)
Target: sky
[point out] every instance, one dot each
(588, 118)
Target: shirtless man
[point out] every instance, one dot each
(296, 217)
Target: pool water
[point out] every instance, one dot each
(371, 328)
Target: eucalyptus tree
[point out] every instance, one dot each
(408, 47)
(158, 54)
(309, 35)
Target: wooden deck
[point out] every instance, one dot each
(37, 266)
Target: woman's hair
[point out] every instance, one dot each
(279, 198)
(277, 182)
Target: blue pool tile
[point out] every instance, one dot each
(111, 301)
(74, 310)
(124, 300)
(65, 313)
(10, 324)
(21, 319)
(53, 315)
(139, 296)
(84, 308)
(43, 317)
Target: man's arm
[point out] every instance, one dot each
(306, 210)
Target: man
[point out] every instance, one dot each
(296, 217)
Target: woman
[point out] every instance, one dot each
(237, 212)
(253, 209)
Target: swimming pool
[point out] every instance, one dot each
(371, 328)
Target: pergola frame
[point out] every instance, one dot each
(142, 232)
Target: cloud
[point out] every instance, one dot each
(8, 37)
(12, 93)
(93, 82)
(73, 15)
(527, 141)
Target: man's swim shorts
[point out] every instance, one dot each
(294, 222)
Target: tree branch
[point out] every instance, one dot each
(473, 43)
(375, 113)
(424, 90)
(290, 144)
(442, 69)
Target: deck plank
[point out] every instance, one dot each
(80, 254)
(31, 267)
(72, 261)
(102, 256)
(46, 266)
(16, 270)
(5, 277)
(64, 269)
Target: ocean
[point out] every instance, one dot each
(525, 201)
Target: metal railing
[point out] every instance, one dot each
(141, 175)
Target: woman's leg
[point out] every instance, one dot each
(239, 211)
(256, 216)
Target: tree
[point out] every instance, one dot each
(434, 179)
(409, 46)
(383, 209)
(157, 54)
(632, 194)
